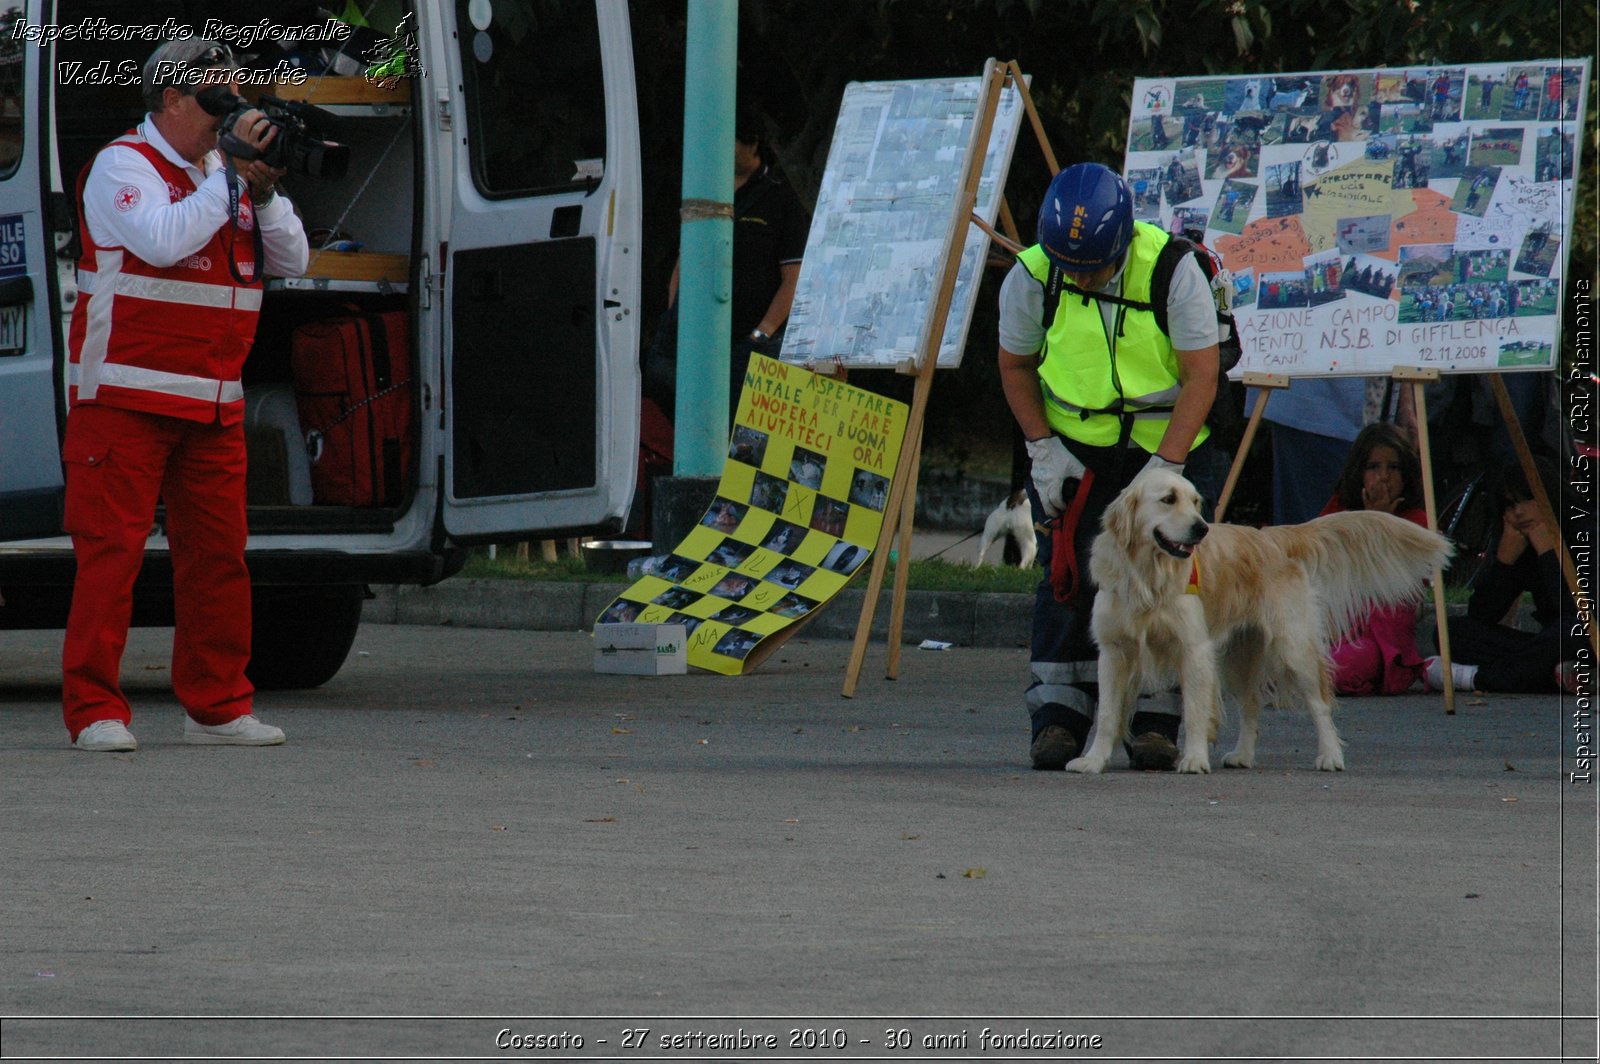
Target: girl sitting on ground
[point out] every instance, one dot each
(1378, 655)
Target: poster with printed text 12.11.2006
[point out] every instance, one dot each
(1374, 218)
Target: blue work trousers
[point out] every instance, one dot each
(1063, 663)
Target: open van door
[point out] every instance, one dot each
(541, 380)
(31, 485)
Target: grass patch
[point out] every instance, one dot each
(924, 576)
(507, 567)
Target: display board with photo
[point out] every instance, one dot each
(870, 275)
(1377, 218)
(797, 513)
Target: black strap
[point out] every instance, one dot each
(233, 219)
(1167, 259)
(1171, 253)
(1107, 297)
(378, 348)
(1054, 282)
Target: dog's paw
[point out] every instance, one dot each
(1238, 760)
(1194, 763)
(1333, 762)
(1092, 766)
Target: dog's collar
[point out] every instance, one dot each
(1193, 587)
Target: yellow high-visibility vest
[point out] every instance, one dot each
(1089, 384)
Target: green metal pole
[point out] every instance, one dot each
(705, 261)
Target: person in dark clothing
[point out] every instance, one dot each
(770, 226)
(1493, 656)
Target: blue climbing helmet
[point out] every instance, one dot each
(1086, 219)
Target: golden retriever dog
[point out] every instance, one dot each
(1217, 607)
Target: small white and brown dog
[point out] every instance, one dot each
(1013, 518)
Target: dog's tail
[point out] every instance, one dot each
(1362, 559)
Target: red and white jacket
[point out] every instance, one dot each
(160, 324)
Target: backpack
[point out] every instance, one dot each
(1227, 408)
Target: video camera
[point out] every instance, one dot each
(295, 149)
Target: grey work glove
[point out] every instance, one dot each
(1158, 462)
(1053, 466)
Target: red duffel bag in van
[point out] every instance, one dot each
(352, 383)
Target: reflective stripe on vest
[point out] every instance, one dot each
(164, 340)
(139, 378)
(167, 290)
(1085, 399)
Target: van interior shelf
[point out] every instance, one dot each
(340, 95)
(350, 271)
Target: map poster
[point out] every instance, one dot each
(875, 253)
(1414, 216)
(796, 515)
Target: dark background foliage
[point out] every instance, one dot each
(796, 57)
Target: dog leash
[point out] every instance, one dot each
(954, 545)
(1066, 577)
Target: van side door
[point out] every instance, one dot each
(541, 380)
(31, 400)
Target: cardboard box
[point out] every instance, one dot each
(641, 649)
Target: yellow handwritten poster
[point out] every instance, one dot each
(796, 515)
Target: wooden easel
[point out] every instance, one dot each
(1270, 382)
(900, 509)
(1417, 377)
(1267, 382)
(1546, 512)
(1519, 443)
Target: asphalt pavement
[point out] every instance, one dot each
(475, 847)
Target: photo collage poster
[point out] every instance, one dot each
(875, 252)
(797, 513)
(1415, 216)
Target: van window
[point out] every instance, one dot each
(535, 93)
(11, 101)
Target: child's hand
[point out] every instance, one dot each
(1541, 537)
(1512, 540)
(1378, 496)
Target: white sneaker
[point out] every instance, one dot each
(241, 731)
(1465, 676)
(106, 735)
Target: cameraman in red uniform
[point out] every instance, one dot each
(169, 292)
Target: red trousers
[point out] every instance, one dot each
(1379, 655)
(118, 463)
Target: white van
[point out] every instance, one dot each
(492, 197)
